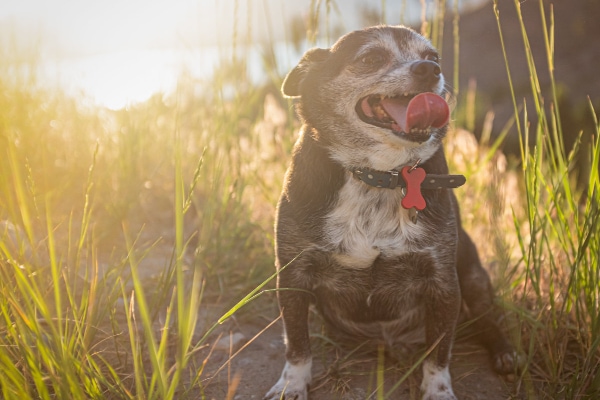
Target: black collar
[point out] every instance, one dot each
(393, 179)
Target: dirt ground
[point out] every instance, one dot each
(243, 357)
(337, 373)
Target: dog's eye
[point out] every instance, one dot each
(432, 57)
(372, 59)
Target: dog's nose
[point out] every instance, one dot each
(426, 70)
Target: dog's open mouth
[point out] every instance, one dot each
(409, 116)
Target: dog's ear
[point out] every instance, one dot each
(293, 80)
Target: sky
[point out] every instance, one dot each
(121, 51)
(76, 27)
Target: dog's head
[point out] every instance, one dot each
(373, 98)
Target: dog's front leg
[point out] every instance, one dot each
(296, 375)
(442, 309)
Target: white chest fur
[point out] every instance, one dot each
(368, 222)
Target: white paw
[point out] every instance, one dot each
(285, 393)
(293, 383)
(436, 384)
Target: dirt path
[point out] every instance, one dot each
(338, 374)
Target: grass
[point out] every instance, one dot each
(559, 282)
(120, 228)
(96, 301)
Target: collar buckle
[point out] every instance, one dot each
(394, 179)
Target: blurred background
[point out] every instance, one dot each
(115, 53)
(118, 52)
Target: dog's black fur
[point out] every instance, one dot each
(352, 247)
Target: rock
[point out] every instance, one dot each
(232, 341)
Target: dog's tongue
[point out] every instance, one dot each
(423, 110)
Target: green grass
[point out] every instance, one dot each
(88, 197)
(560, 246)
(119, 227)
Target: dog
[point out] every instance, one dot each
(367, 226)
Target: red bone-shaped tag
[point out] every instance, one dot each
(413, 197)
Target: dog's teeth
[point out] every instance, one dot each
(420, 131)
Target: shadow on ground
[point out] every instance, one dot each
(337, 374)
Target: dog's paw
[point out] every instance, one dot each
(508, 362)
(293, 383)
(277, 393)
(436, 384)
(439, 396)
(439, 392)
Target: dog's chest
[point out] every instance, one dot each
(366, 223)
